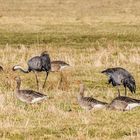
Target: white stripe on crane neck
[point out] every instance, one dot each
(17, 67)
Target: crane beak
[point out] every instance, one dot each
(13, 68)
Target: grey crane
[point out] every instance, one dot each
(119, 76)
(123, 103)
(28, 96)
(37, 64)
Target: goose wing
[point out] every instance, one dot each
(59, 62)
(31, 96)
(127, 99)
(93, 101)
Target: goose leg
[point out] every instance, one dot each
(37, 82)
(61, 78)
(47, 73)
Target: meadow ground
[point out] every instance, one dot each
(90, 36)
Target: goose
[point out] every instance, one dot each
(124, 103)
(59, 66)
(88, 102)
(28, 96)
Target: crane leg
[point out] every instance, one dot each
(125, 91)
(37, 82)
(47, 73)
(118, 91)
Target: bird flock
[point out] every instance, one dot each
(116, 76)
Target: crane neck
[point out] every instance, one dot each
(21, 69)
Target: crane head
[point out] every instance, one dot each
(43, 53)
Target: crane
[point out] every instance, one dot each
(37, 64)
(119, 76)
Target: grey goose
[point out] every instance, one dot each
(88, 102)
(28, 96)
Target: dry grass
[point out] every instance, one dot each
(52, 119)
(91, 36)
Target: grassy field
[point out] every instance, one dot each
(89, 35)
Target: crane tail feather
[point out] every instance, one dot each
(130, 83)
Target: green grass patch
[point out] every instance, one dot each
(45, 38)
